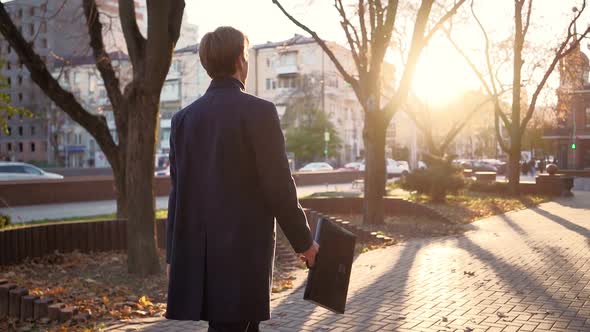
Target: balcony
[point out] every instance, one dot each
(565, 133)
(287, 69)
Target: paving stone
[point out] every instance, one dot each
(531, 273)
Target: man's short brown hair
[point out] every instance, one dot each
(220, 49)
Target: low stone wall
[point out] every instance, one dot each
(96, 188)
(354, 205)
(73, 189)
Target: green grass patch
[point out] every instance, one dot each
(163, 213)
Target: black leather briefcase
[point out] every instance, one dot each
(327, 282)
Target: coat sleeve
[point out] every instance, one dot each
(172, 197)
(275, 176)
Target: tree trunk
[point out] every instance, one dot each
(142, 254)
(121, 191)
(375, 171)
(514, 164)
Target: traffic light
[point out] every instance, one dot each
(573, 146)
(325, 152)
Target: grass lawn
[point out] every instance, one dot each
(163, 213)
(470, 206)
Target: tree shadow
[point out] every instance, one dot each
(362, 307)
(520, 280)
(563, 222)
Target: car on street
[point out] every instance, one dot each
(478, 166)
(354, 166)
(14, 171)
(394, 168)
(316, 167)
(163, 172)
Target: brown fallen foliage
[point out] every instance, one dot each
(98, 284)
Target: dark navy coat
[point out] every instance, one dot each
(230, 180)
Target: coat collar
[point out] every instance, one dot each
(226, 83)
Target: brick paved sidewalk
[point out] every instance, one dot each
(523, 271)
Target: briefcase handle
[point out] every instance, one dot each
(317, 257)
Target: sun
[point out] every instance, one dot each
(442, 75)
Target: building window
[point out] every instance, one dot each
(32, 11)
(9, 147)
(274, 84)
(43, 8)
(31, 29)
(32, 146)
(20, 131)
(8, 65)
(32, 130)
(20, 96)
(9, 81)
(587, 117)
(20, 13)
(43, 27)
(9, 131)
(20, 80)
(268, 83)
(43, 43)
(20, 147)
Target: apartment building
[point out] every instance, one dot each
(57, 30)
(186, 81)
(278, 71)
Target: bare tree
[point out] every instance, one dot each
(521, 110)
(135, 109)
(420, 113)
(369, 39)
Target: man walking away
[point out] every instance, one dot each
(230, 180)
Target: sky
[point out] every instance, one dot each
(442, 73)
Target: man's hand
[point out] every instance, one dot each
(310, 254)
(168, 271)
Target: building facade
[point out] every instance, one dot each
(570, 136)
(278, 71)
(57, 30)
(74, 146)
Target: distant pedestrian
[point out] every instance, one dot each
(532, 167)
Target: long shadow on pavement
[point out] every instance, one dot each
(563, 222)
(362, 308)
(521, 281)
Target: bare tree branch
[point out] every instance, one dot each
(559, 54)
(528, 18)
(95, 124)
(101, 57)
(459, 126)
(345, 75)
(417, 45)
(355, 46)
(503, 145)
(136, 43)
(443, 19)
(165, 18)
(365, 48)
(481, 77)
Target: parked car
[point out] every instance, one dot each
(354, 166)
(163, 172)
(500, 165)
(316, 167)
(10, 171)
(394, 168)
(478, 166)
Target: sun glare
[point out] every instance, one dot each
(441, 76)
